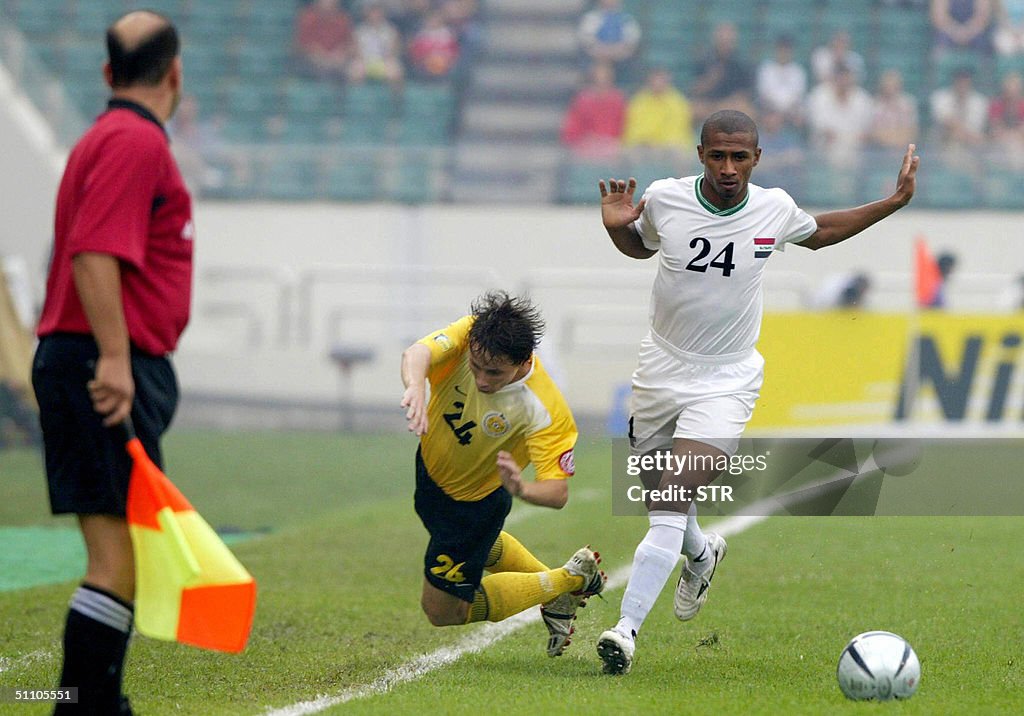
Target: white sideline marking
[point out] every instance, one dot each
(477, 641)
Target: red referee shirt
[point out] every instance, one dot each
(122, 195)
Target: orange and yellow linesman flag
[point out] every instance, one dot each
(189, 586)
(927, 277)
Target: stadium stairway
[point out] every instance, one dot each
(520, 86)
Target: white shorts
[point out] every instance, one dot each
(681, 395)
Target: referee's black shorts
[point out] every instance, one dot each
(461, 534)
(87, 467)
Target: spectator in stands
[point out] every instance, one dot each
(1008, 36)
(946, 262)
(1006, 120)
(724, 80)
(461, 17)
(434, 49)
(839, 118)
(963, 25)
(658, 116)
(894, 118)
(782, 83)
(379, 56)
(607, 33)
(592, 128)
(198, 147)
(783, 153)
(325, 44)
(838, 51)
(408, 15)
(960, 115)
(842, 290)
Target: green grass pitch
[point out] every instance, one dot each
(338, 558)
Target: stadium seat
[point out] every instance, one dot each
(260, 63)
(91, 19)
(578, 183)
(1002, 190)
(368, 110)
(352, 175)
(427, 114)
(39, 19)
(289, 178)
(419, 177)
(242, 98)
(83, 61)
(943, 188)
(310, 98)
(828, 188)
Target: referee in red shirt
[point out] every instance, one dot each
(117, 300)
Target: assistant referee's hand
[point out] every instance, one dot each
(112, 390)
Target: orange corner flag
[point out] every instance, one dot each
(189, 586)
(927, 277)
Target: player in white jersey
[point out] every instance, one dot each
(699, 372)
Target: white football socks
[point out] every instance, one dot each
(654, 560)
(695, 544)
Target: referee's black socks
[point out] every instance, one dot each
(95, 641)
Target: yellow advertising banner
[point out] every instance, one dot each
(851, 368)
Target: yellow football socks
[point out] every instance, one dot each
(509, 555)
(502, 595)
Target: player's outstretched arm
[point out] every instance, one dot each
(546, 493)
(836, 226)
(415, 364)
(618, 215)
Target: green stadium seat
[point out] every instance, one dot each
(578, 184)
(1003, 191)
(289, 178)
(91, 19)
(414, 184)
(39, 19)
(244, 129)
(352, 176)
(368, 110)
(828, 188)
(204, 63)
(1007, 64)
(241, 98)
(428, 111)
(258, 63)
(303, 129)
(943, 188)
(310, 98)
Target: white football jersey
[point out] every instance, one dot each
(707, 297)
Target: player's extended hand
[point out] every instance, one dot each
(112, 389)
(510, 473)
(617, 210)
(415, 402)
(906, 182)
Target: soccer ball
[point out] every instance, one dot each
(878, 665)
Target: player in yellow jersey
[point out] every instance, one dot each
(493, 409)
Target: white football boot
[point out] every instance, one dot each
(692, 588)
(616, 651)
(559, 613)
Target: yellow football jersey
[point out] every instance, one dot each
(466, 428)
